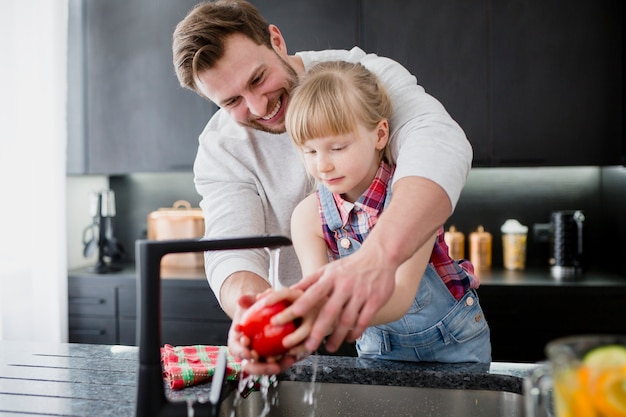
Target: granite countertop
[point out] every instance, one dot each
(81, 380)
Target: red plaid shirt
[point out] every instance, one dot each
(363, 214)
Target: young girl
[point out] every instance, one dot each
(339, 118)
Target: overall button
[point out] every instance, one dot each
(469, 301)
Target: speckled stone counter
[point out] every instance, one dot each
(100, 380)
(348, 370)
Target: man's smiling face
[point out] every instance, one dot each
(251, 82)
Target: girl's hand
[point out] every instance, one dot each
(295, 340)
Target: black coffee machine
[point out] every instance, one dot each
(566, 240)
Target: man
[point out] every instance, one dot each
(251, 177)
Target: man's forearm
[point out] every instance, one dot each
(417, 209)
(236, 285)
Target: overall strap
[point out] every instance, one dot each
(345, 244)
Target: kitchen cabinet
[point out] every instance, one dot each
(103, 309)
(190, 314)
(92, 312)
(557, 81)
(313, 25)
(526, 310)
(445, 45)
(127, 111)
(531, 82)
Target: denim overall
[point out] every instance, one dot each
(437, 327)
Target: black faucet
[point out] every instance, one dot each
(151, 398)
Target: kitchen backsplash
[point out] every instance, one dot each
(491, 196)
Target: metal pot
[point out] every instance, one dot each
(180, 221)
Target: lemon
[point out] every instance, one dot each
(606, 356)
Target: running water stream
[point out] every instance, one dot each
(264, 383)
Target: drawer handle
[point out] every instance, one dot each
(87, 300)
(88, 332)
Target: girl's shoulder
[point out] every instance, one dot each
(309, 205)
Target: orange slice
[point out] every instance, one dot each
(609, 394)
(581, 402)
(571, 393)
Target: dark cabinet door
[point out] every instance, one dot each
(531, 82)
(313, 25)
(190, 313)
(557, 74)
(445, 45)
(127, 111)
(523, 319)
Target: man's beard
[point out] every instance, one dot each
(292, 80)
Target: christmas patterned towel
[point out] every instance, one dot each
(184, 366)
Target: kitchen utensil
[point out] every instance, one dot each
(480, 249)
(99, 234)
(90, 233)
(90, 239)
(455, 240)
(180, 221)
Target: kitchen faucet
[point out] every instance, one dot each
(151, 398)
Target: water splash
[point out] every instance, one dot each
(261, 383)
(190, 410)
(309, 393)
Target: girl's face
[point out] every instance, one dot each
(346, 164)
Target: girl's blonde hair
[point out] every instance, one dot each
(333, 98)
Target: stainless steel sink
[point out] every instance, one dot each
(295, 399)
(344, 386)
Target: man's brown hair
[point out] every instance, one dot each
(198, 40)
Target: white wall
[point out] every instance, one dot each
(33, 252)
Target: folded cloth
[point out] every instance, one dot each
(184, 366)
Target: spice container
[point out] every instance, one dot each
(180, 221)
(514, 235)
(480, 249)
(456, 243)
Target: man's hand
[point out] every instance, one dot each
(238, 343)
(351, 289)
